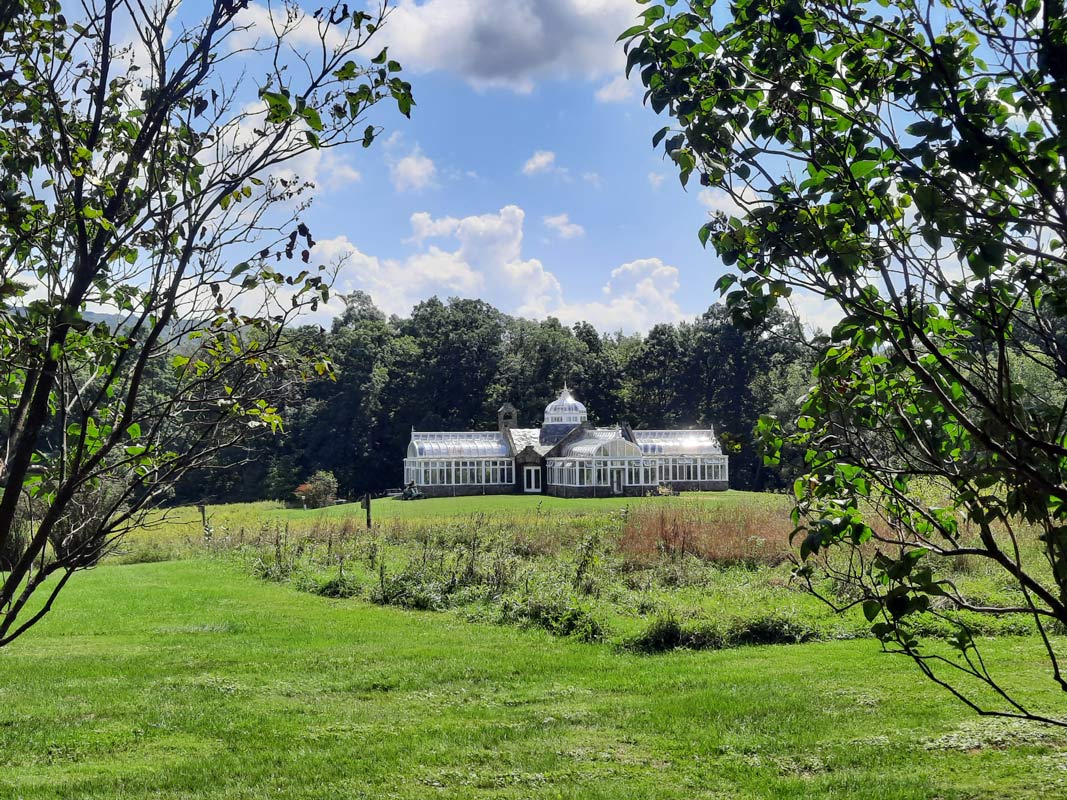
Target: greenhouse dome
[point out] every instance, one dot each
(565, 410)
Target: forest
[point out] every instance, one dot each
(451, 364)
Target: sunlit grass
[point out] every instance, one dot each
(192, 681)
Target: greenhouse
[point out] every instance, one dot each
(459, 459)
(566, 456)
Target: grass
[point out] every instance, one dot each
(597, 569)
(186, 521)
(192, 680)
(712, 567)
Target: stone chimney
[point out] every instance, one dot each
(507, 417)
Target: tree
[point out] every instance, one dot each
(320, 490)
(142, 178)
(906, 162)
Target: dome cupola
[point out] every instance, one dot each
(565, 410)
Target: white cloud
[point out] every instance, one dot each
(617, 90)
(484, 260)
(814, 310)
(655, 179)
(262, 24)
(639, 294)
(510, 43)
(592, 178)
(562, 225)
(482, 256)
(719, 201)
(540, 161)
(413, 172)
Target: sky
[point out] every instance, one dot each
(525, 176)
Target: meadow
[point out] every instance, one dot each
(700, 570)
(191, 679)
(497, 647)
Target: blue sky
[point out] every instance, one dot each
(525, 176)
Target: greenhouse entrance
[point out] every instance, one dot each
(618, 478)
(531, 480)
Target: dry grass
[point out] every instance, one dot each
(746, 536)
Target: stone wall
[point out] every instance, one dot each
(635, 491)
(466, 489)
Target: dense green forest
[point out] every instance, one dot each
(451, 364)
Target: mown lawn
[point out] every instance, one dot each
(190, 679)
(499, 507)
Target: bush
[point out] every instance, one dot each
(665, 633)
(339, 587)
(412, 589)
(319, 491)
(560, 616)
(662, 634)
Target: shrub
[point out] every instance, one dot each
(412, 589)
(665, 633)
(319, 491)
(560, 616)
(771, 628)
(340, 586)
(662, 634)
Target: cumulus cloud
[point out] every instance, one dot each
(413, 172)
(510, 43)
(815, 311)
(482, 256)
(562, 225)
(719, 201)
(655, 179)
(617, 90)
(540, 161)
(262, 23)
(638, 295)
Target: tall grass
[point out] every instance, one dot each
(739, 536)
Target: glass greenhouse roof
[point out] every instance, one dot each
(565, 409)
(678, 443)
(457, 444)
(601, 442)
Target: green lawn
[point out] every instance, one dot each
(509, 506)
(189, 679)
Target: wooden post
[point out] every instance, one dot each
(366, 505)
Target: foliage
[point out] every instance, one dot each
(711, 561)
(319, 491)
(906, 162)
(147, 228)
(452, 364)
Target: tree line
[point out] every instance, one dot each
(451, 364)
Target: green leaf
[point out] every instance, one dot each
(861, 169)
(279, 109)
(871, 609)
(311, 116)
